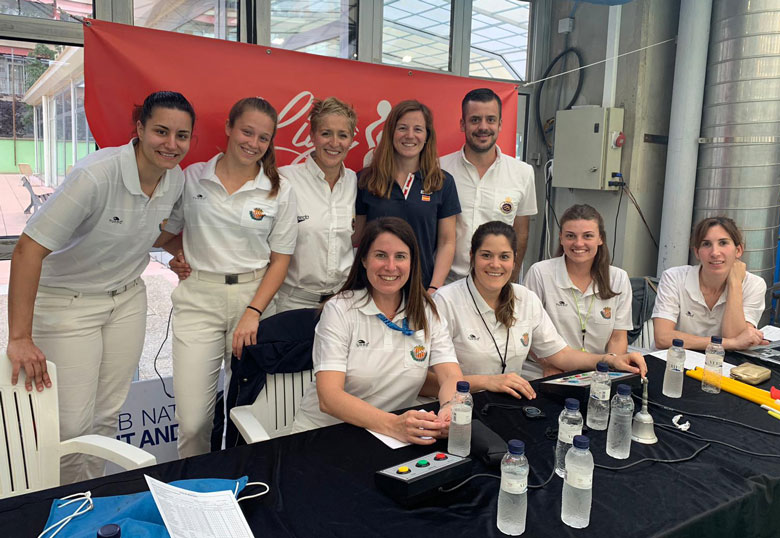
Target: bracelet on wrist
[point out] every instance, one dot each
(260, 312)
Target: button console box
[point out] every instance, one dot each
(415, 480)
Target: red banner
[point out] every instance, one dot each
(123, 64)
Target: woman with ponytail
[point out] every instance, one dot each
(239, 223)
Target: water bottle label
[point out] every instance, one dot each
(676, 367)
(599, 392)
(713, 361)
(462, 415)
(514, 485)
(579, 480)
(566, 432)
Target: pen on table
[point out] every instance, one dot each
(771, 411)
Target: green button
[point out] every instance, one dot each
(423, 463)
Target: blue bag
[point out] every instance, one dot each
(136, 514)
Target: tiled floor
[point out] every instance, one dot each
(14, 198)
(160, 282)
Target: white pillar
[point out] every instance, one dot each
(693, 35)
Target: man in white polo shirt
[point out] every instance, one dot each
(491, 185)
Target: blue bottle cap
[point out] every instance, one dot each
(677, 342)
(624, 390)
(463, 386)
(572, 404)
(517, 447)
(109, 531)
(716, 340)
(602, 366)
(581, 441)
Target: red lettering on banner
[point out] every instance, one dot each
(123, 64)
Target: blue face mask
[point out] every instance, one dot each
(136, 514)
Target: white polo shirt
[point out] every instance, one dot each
(99, 224)
(562, 300)
(323, 254)
(505, 191)
(382, 366)
(233, 233)
(532, 331)
(680, 300)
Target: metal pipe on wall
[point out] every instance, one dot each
(687, 98)
(739, 158)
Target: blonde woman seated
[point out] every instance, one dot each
(376, 340)
(716, 297)
(494, 323)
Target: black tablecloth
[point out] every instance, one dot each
(322, 482)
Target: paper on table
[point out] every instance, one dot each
(693, 359)
(771, 332)
(392, 442)
(189, 514)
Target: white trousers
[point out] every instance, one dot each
(205, 314)
(96, 342)
(285, 300)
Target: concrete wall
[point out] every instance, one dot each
(643, 90)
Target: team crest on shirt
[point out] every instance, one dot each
(163, 223)
(606, 312)
(257, 214)
(524, 339)
(425, 196)
(419, 353)
(506, 206)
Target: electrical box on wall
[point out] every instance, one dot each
(588, 146)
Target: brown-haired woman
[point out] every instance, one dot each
(376, 340)
(76, 296)
(325, 192)
(588, 300)
(405, 180)
(716, 297)
(239, 224)
(494, 323)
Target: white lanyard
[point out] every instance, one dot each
(408, 185)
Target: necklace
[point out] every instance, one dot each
(506, 344)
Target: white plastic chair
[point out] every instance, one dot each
(30, 446)
(273, 412)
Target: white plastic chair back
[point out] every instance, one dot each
(29, 434)
(277, 403)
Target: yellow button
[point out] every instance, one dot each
(403, 470)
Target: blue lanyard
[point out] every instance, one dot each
(405, 329)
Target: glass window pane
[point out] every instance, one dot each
(47, 9)
(499, 39)
(324, 27)
(416, 34)
(206, 18)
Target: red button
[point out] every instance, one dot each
(440, 456)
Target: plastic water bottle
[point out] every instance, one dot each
(459, 442)
(513, 496)
(713, 366)
(598, 403)
(619, 432)
(578, 484)
(569, 424)
(673, 376)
